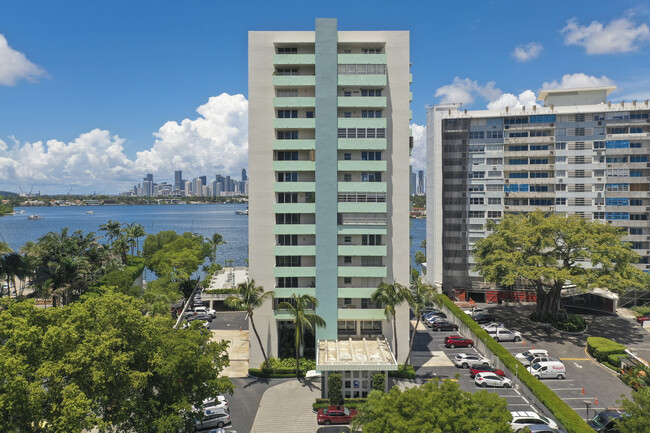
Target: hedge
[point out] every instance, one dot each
(600, 348)
(279, 373)
(571, 421)
(403, 372)
(282, 368)
(615, 359)
(350, 403)
(221, 291)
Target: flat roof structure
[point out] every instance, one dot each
(355, 355)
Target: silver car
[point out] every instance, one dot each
(212, 418)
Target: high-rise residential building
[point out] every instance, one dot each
(421, 188)
(243, 175)
(577, 154)
(329, 213)
(178, 180)
(197, 186)
(412, 182)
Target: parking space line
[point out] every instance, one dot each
(577, 398)
(574, 359)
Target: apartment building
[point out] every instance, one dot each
(328, 153)
(577, 154)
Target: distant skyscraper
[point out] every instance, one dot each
(178, 180)
(243, 175)
(412, 181)
(204, 180)
(228, 184)
(421, 182)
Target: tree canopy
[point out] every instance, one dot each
(549, 251)
(100, 362)
(435, 407)
(639, 410)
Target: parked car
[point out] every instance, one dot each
(605, 421)
(532, 354)
(521, 419)
(491, 379)
(543, 428)
(218, 402)
(213, 417)
(333, 429)
(484, 318)
(642, 319)
(493, 326)
(458, 341)
(199, 316)
(542, 358)
(434, 314)
(428, 310)
(481, 368)
(335, 415)
(444, 326)
(433, 319)
(205, 310)
(505, 335)
(472, 312)
(464, 360)
(549, 369)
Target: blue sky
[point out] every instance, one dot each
(84, 86)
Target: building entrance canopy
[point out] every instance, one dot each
(355, 355)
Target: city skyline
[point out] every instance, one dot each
(91, 112)
(199, 186)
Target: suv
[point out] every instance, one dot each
(444, 326)
(484, 318)
(458, 341)
(478, 368)
(523, 419)
(504, 335)
(335, 415)
(605, 421)
(464, 360)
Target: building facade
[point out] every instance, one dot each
(328, 149)
(577, 154)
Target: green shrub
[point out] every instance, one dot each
(256, 372)
(275, 363)
(350, 403)
(282, 368)
(615, 359)
(573, 322)
(643, 310)
(600, 348)
(572, 422)
(335, 389)
(403, 372)
(221, 291)
(379, 382)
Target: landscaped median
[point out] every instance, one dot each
(285, 368)
(566, 416)
(607, 352)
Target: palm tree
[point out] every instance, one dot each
(390, 296)
(215, 241)
(420, 296)
(249, 297)
(301, 319)
(112, 229)
(137, 231)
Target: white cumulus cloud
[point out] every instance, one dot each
(215, 142)
(464, 91)
(14, 65)
(523, 53)
(618, 36)
(526, 98)
(418, 158)
(578, 80)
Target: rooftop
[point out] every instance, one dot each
(355, 355)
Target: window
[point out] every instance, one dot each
(599, 145)
(347, 280)
(476, 135)
(361, 133)
(287, 197)
(539, 188)
(287, 218)
(540, 202)
(494, 214)
(636, 202)
(518, 134)
(636, 130)
(520, 148)
(347, 259)
(476, 175)
(639, 216)
(542, 118)
(617, 187)
(287, 155)
(560, 146)
(287, 282)
(518, 161)
(636, 145)
(538, 161)
(494, 134)
(477, 148)
(476, 214)
(638, 158)
(494, 161)
(560, 201)
(287, 93)
(639, 115)
(494, 187)
(494, 148)
(347, 114)
(287, 135)
(287, 114)
(371, 156)
(369, 114)
(539, 147)
(287, 50)
(347, 156)
(617, 215)
(371, 176)
(636, 230)
(347, 239)
(476, 200)
(599, 215)
(617, 144)
(538, 175)
(362, 69)
(371, 50)
(371, 92)
(494, 200)
(518, 175)
(475, 188)
(287, 261)
(515, 120)
(309, 114)
(347, 177)
(286, 240)
(347, 93)
(287, 177)
(287, 71)
(370, 239)
(636, 173)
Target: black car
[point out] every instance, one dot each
(605, 421)
(444, 326)
(484, 318)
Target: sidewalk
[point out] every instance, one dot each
(237, 351)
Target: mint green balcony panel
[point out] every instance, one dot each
(297, 102)
(294, 208)
(294, 59)
(362, 165)
(363, 207)
(294, 165)
(362, 101)
(361, 314)
(285, 315)
(362, 80)
(362, 271)
(286, 293)
(362, 59)
(297, 123)
(303, 271)
(295, 229)
(295, 186)
(294, 80)
(362, 187)
(362, 143)
(294, 250)
(363, 250)
(356, 292)
(360, 122)
(362, 230)
(294, 144)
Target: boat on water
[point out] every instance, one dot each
(90, 212)
(242, 212)
(34, 217)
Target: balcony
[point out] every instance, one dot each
(294, 187)
(285, 315)
(362, 59)
(298, 271)
(296, 123)
(529, 167)
(362, 187)
(356, 292)
(362, 207)
(294, 229)
(362, 165)
(294, 102)
(526, 208)
(527, 194)
(362, 250)
(524, 140)
(362, 101)
(294, 59)
(294, 165)
(307, 144)
(294, 80)
(363, 80)
(285, 292)
(294, 208)
(361, 314)
(362, 144)
(360, 122)
(294, 250)
(361, 271)
(343, 230)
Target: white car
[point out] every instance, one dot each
(219, 402)
(472, 312)
(523, 419)
(505, 335)
(486, 379)
(493, 326)
(206, 310)
(464, 360)
(213, 418)
(529, 355)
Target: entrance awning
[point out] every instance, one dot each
(355, 355)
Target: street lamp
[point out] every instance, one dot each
(587, 403)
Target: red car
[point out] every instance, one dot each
(458, 341)
(478, 368)
(335, 415)
(642, 319)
